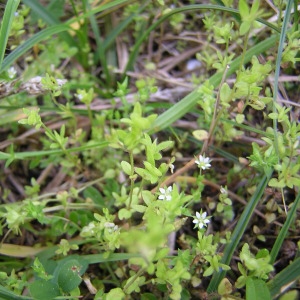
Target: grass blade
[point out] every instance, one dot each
(278, 68)
(37, 38)
(8, 17)
(33, 154)
(285, 278)
(239, 231)
(6, 294)
(284, 230)
(99, 258)
(48, 18)
(41, 11)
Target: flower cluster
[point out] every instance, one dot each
(200, 220)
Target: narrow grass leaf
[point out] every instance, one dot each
(9, 14)
(41, 11)
(99, 258)
(120, 28)
(37, 38)
(33, 154)
(48, 18)
(6, 294)
(48, 32)
(106, 6)
(239, 231)
(19, 251)
(284, 230)
(278, 68)
(284, 279)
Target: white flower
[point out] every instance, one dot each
(223, 190)
(89, 230)
(172, 167)
(79, 96)
(111, 226)
(11, 72)
(165, 194)
(201, 220)
(203, 162)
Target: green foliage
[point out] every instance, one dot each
(224, 207)
(257, 267)
(39, 269)
(15, 282)
(65, 278)
(110, 177)
(65, 247)
(173, 276)
(248, 15)
(257, 289)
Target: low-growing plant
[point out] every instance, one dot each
(104, 196)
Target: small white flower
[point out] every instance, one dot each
(172, 167)
(111, 226)
(165, 194)
(201, 220)
(11, 72)
(88, 230)
(223, 190)
(79, 96)
(203, 162)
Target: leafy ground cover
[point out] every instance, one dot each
(149, 149)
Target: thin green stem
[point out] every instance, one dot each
(128, 284)
(245, 47)
(131, 159)
(277, 71)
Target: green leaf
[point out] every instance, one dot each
(126, 167)
(148, 296)
(225, 287)
(94, 194)
(152, 169)
(256, 289)
(244, 9)
(115, 293)
(42, 289)
(69, 275)
(240, 118)
(124, 214)
(245, 27)
(254, 8)
(200, 134)
(290, 295)
(225, 93)
(275, 183)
